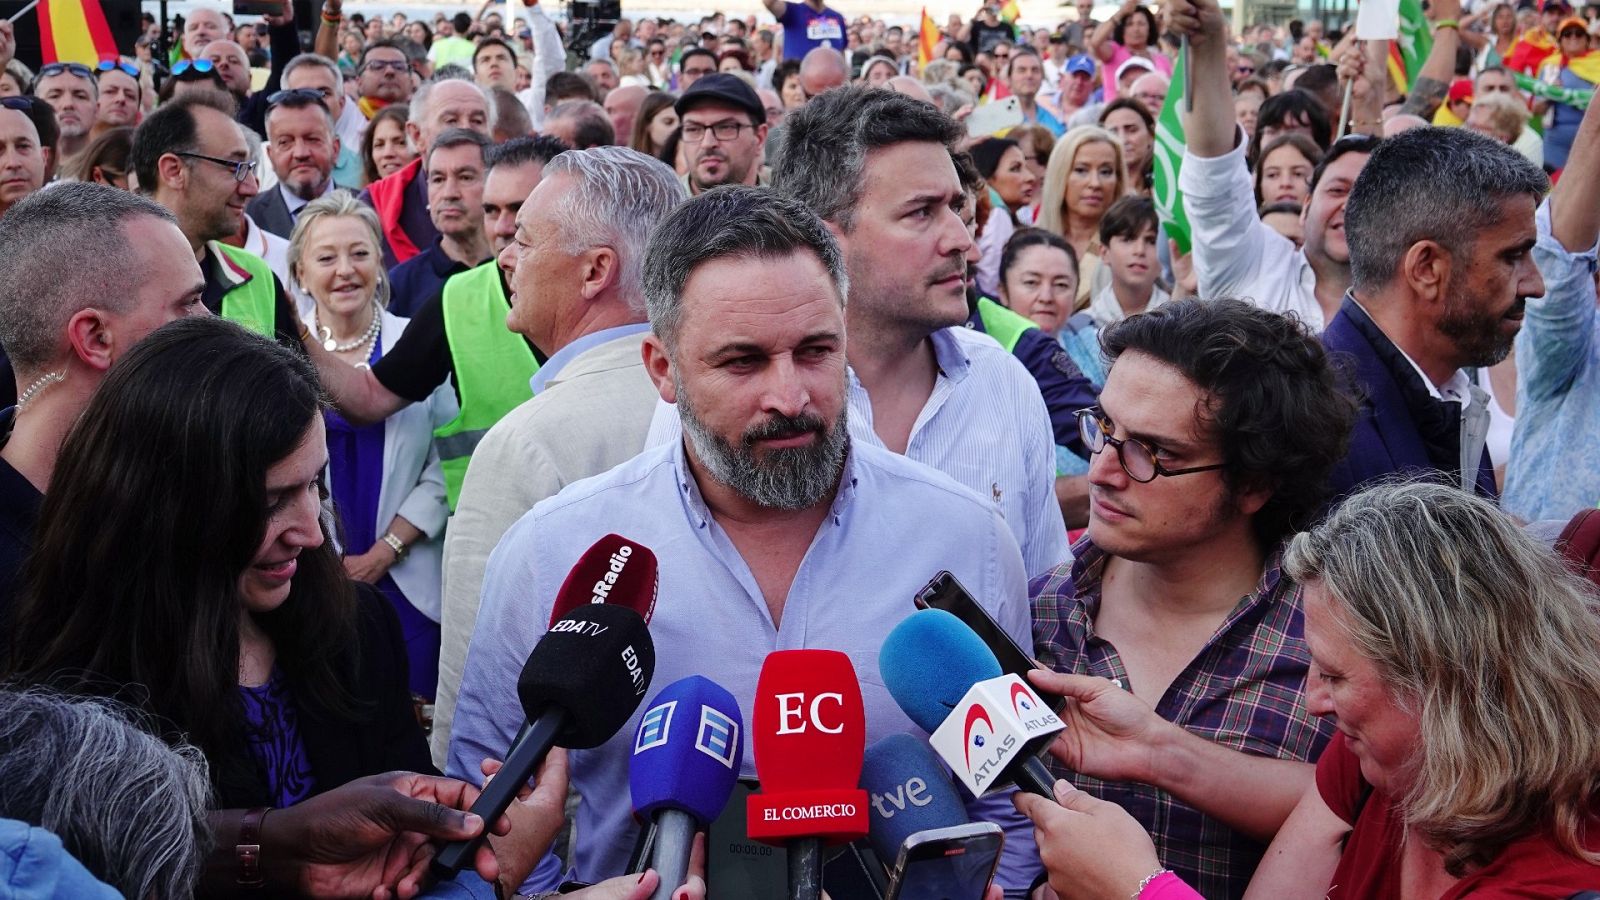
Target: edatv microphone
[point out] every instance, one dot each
(613, 570)
(808, 732)
(908, 791)
(988, 727)
(580, 684)
(686, 758)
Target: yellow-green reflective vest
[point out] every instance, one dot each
(254, 303)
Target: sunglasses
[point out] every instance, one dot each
(20, 103)
(203, 66)
(301, 95)
(378, 65)
(107, 65)
(78, 69)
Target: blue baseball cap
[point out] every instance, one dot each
(1079, 64)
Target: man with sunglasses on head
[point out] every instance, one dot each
(192, 158)
(27, 149)
(71, 91)
(121, 96)
(1173, 628)
(301, 146)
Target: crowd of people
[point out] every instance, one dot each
(331, 346)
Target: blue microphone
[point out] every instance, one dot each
(908, 791)
(686, 758)
(928, 694)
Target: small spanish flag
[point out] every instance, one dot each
(74, 31)
(927, 40)
(1011, 12)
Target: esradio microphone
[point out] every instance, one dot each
(808, 732)
(581, 683)
(988, 727)
(686, 758)
(908, 791)
(613, 570)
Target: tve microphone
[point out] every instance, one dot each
(908, 791)
(686, 758)
(581, 683)
(808, 732)
(988, 727)
(613, 570)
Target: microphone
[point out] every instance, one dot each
(988, 727)
(809, 731)
(581, 683)
(686, 758)
(908, 791)
(613, 570)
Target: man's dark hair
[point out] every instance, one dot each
(300, 101)
(1430, 184)
(458, 137)
(1350, 143)
(172, 128)
(524, 151)
(693, 52)
(827, 141)
(562, 86)
(592, 126)
(462, 23)
(1288, 108)
(1128, 218)
(1274, 404)
(493, 42)
(1319, 80)
(391, 43)
(729, 222)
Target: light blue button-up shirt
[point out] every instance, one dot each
(985, 425)
(572, 351)
(892, 526)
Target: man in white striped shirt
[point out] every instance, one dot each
(875, 165)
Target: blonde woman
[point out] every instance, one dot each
(1081, 181)
(385, 478)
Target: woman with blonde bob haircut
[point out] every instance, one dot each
(1460, 661)
(1081, 181)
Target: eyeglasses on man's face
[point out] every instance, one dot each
(242, 168)
(1137, 457)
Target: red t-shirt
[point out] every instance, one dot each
(1533, 867)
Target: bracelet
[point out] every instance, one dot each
(334, 19)
(1148, 880)
(305, 332)
(248, 849)
(1447, 23)
(395, 544)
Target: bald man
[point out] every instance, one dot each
(911, 87)
(622, 105)
(821, 69)
(200, 42)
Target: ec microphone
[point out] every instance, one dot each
(988, 727)
(686, 758)
(581, 683)
(808, 732)
(613, 570)
(908, 791)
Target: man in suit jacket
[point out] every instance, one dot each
(592, 399)
(1440, 225)
(302, 147)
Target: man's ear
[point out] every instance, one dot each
(91, 339)
(658, 365)
(1426, 268)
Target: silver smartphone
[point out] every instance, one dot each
(955, 863)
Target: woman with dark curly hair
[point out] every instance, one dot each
(1131, 31)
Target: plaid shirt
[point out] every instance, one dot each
(1244, 690)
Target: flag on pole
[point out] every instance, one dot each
(927, 40)
(1011, 12)
(74, 31)
(1410, 50)
(1577, 97)
(1170, 143)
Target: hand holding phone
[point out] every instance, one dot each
(946, 593)
(955, 863)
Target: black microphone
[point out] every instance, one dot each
(580, 685)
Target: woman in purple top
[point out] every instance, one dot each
(182, 563)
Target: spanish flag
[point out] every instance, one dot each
(1011, 12)
(74, 31)
(927, 40)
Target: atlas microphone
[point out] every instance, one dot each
(988, 727)
(581, 683)
(613, 570)
(686, 758)
(808, 730)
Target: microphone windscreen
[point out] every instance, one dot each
(687, 750)
(596, 664)
(613, 570)
(809, 726)
(928, 663)
(908, 791)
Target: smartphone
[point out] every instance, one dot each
(994, 117)
(946, 593)
(955, 863)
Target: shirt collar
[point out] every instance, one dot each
(953, 361)
(1089, 568)
(567, 354)
(1456, 389)
(294, 203)
(700, 513)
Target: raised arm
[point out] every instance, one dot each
(1100, 41)
(326, 43)
(1364, 62)
(776, 7)
(357, 393)
(1433, 82)
(1575, 202)
(1210, 128)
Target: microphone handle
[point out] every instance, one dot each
(533, 743)
(805, 869)
(1032, 776)
(675, 830)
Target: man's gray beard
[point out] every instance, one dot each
(789, 478)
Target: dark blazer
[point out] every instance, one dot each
(386, 739)
(270, 212)
(1385, 440)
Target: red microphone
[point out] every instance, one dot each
(809, 731)
(613, 570)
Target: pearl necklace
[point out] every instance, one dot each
(333, 346)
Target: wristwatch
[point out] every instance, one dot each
(395, 544)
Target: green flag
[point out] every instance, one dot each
(1570, 96)
(1415, 40)
(1170, 143)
